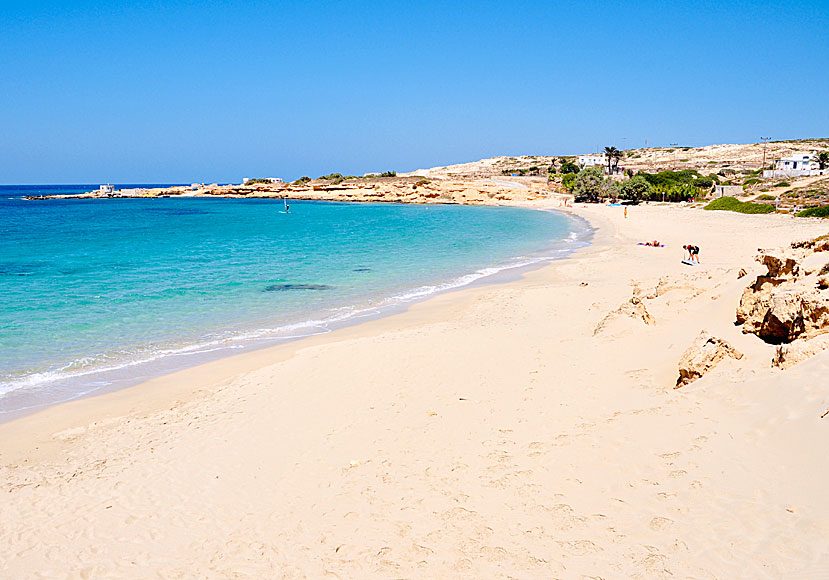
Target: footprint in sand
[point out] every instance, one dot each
(659, 523)
(580, 547)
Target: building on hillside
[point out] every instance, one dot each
(592, 161)
(801, 164)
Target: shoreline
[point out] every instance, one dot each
(131, 373)
(517, 428)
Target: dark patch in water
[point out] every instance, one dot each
(17, 269)
(284, 287)
(361, 270)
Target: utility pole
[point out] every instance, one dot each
(624, 143)
(674, 145)
(765, 140)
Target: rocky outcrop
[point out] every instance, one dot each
(633, 308)
(704, 354)
(788, 355)
(790, 301)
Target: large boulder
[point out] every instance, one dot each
(790, 302)
(704, 354)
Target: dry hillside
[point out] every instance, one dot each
(708, 159)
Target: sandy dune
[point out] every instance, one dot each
(519, 430)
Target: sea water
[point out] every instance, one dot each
(106, 292)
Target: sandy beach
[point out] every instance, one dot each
(516, 430)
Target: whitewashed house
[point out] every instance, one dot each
(107, 190)
(801, 164)
(592, 161)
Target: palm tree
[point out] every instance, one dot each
(823, 159)
(613, 155)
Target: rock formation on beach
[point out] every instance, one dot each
(789, 304)
(704, 354)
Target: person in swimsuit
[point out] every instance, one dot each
(693, 252)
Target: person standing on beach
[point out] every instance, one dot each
(626, 212)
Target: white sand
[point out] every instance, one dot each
(485, 433)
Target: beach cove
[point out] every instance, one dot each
(516, 430)
(104, 293)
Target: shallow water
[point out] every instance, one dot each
(101, 291)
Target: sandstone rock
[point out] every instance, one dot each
(779, 266)
(819, 244)
(788, 355)
(742, 273)
(790, 301)
(634, 308)
(704, 354)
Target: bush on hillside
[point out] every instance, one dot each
(302, 180)
(821, 212)
(568, 181)
(569, 167)
(734, 204)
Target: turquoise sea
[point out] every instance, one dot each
(99, 294)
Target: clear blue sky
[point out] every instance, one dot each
(214, 91)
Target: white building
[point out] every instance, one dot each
(107, 190)
(592, 161)
(802, 164)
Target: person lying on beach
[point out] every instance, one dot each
(654, 244)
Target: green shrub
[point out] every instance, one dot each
(636, 188)
(766, 197)
(568, 181)
(734, 204)
(752, 181)
(258, 180)
(389, 174)
(667, 179)
(589, 182)
(302, 180)
(782, 184)
(821, 212)
(703, 183)
(569, 167)
(331, 176)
